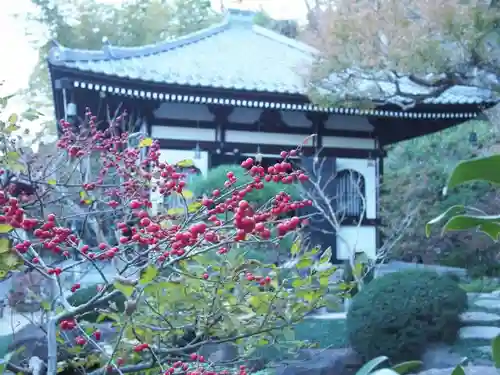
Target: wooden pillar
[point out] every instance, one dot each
(221, 119)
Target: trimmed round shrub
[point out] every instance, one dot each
(398, 314)
(216, 177)
(85, 294)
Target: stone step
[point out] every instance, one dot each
(471, 317)
(479, 332)
(489, 303)
(327, 316)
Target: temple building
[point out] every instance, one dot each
(236, 90)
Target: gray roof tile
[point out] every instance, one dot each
(239, 55)
(230, 55)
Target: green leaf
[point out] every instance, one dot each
(297, 283)
(127, 290)
(13, 119)
(459, 370)
(186, 163)
(194, 206)
(489, 225)
(479, 169)
(5, 228)
(146, 142)
(358, 270)
(52, 181)
(326, 256)
(12, 156)
(295, 248)
(371, 365)
(453, 210)
(262, 342)
(175, 211)
(148, 274)
(324, 281)
(495, 351)
(187, 194)
(255, 302)
(304, 263)
(12, 128)
(406, 367)
(4, 245)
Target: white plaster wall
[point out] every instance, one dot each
(359, 239)
(349, 142)
(368, 168)
(183, 134)
(257, 138)
(175, 156)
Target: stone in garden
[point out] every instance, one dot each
(484, 349)
(495, 293)
(469, 370)
(322, 362)
(440, 356)
(325, 315)
(488, 303)
(480, 295)
(479, 332)
(479, 316)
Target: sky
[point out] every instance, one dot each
(20, 56)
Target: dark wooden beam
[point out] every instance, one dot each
(263, 128)
(221, 120)
(393, 130)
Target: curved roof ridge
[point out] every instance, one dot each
(59, 53)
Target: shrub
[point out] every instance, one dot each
(217, 176)
(397, 314)
(183, 278)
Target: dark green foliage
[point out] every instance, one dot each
(85, 294)
(415, 172)
(324, 333)
(399, 313)
(217, 176)
(478, 263)
(349, 277)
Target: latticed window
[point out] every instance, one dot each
(350, 193)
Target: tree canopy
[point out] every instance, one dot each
(437, 44)
(84, 24)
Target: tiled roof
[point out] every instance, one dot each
(232, 55)
(238, 55)
(402, 91)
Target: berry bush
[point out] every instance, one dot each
(172, 272)
(397, 314)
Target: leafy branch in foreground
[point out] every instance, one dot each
(183, 278)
